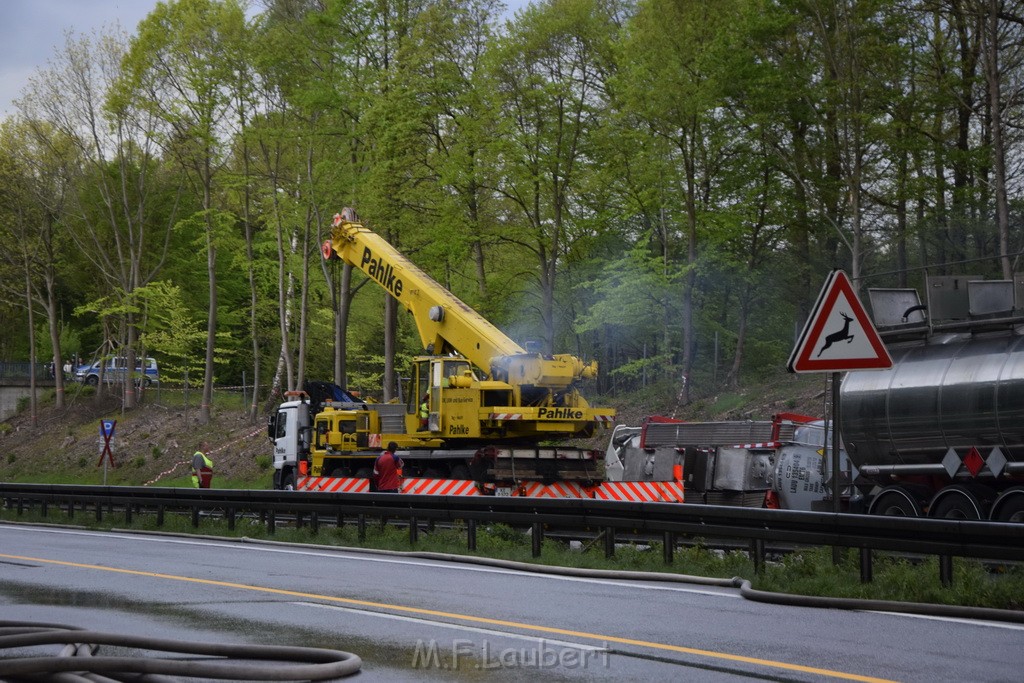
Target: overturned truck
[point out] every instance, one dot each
(777, 463)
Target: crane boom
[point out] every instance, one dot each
(444, 322)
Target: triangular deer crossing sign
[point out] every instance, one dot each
(839, 335)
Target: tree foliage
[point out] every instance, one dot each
(658, 184)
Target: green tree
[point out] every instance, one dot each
(551, 71)
(183, 66)
(124, 204)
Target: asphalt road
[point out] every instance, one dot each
(411, 619)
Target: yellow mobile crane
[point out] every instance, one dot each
(491, 404)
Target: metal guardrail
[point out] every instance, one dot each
(941, 537)
(18, 373)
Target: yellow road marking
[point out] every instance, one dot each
(470, 618)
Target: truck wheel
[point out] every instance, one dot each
(895, 502)
(289, 482)
(1010, 506)
(955, 503)
(461, 472)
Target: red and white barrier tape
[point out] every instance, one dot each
(211, 452)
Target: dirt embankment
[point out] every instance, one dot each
(154, 442)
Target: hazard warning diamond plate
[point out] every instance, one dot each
(996, 461)
(973, 461)
(951, 462)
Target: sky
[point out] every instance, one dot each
(33, 31)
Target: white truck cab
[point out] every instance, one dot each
(289, 430)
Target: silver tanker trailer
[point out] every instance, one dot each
(941, 433)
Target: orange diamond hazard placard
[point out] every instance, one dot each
(839, 335)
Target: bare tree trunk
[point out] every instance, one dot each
(54, 328)
(998, 144)
(733, 376)
(344, 308)
(211, 319)
(304, 302)
(128, 389)
(33, 411)
(390, 344)
(691, 263)
(284, 305)
(251, 267)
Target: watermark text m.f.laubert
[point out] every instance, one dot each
(468, 654)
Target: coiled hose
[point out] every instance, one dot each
(77, 662)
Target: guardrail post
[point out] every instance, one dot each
(195, 516)
(300, 520)
(866, 567)
(341, 520)
(231, 519)
(414, 530)
(159, 515)
(946, 570)
(668, 546)
(537, 536)
(361, 526)
(44, 508)
(20, 505)
(471, 534)
(271, 521)
(128, 513)
(71, 509)
(99, 511)
(314, 522)
(609, 542)
(757, 554)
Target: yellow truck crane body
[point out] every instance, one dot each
(492, 405)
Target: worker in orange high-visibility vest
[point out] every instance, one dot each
(202, 467)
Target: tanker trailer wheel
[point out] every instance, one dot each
(1009, 507)
(955, 502)
(895, 502)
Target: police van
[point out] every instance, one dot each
(116, 371)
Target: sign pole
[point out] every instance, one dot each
(836, 492)
(106, 438)
(835, 442)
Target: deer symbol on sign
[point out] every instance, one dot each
(841, 335)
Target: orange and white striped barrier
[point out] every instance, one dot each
(333, 484)
(641, 491)
(440, 487)
(626, 491)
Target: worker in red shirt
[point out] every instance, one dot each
(387, 470)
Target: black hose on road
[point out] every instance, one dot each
(744, 586)
(77, 661)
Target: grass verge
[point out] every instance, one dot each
(806, 572)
